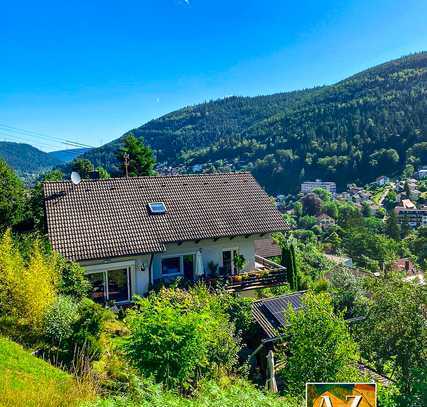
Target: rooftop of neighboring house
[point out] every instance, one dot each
(407, 203)
(267, 248)
(406, 265)
(325, 217)
(111, 218)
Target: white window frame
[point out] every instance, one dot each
(232, 250)
(106, 267)
(181, 264)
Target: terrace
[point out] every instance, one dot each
(266, 274)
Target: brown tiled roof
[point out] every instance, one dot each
(110, 218)
(267, 248)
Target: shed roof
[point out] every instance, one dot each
(269, 313)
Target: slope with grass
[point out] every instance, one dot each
(26, 380)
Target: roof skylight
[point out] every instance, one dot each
(157, 208)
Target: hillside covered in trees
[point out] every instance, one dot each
(370, 124)
(25, 159)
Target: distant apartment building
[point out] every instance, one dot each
(309, 186)
(381, 181)
(422, 172)
(413, 217)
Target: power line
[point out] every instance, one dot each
(15, 137)
(36, 135)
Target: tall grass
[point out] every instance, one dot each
(26, 380)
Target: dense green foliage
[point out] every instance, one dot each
(394, 335)
(319, 345)
(180, 337)
(370, 124)
(224, 393)
(13, 199)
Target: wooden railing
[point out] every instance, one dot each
(268, 263)
(270, 274)
(253, 280)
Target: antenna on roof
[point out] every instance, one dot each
(75, 178)
(126, 163)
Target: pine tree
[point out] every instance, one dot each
(289, 262)
(392, 228)
(141, 158)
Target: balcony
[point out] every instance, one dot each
(266, 274)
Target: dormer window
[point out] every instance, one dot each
(157, 208)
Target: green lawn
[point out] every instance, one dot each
(26, 380)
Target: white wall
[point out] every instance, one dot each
(211, 251)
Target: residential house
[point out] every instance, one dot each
(129, 233)
(325, 221)
(407, 203)
(421, 173)
(412, 273)
(340, 260)
(415, 194)
(267, 248)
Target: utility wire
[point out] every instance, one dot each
(36, 135)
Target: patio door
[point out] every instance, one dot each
(228, 261)
(110, 285)
(188, 266)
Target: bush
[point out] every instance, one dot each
(26, 290)
(88, 327)
(59, 320)
(72, 280)
(72, 331)
(180, 337)
(239, 310)
(319, 346)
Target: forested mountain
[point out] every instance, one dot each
(25, 159)
(367, 125)
(69, 154)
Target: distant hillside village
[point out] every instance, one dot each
(407, 197)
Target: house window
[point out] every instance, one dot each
(179, 265)
(110, 285)
(171, 265)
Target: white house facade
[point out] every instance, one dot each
(132, 233)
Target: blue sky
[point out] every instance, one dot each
(90, 70)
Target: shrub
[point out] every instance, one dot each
(320, 348)
(88, 327)
(59, 320)
(179, 337)
(72, 280)
(26, 290)
(240, 313)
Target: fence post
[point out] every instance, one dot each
(271, 378)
